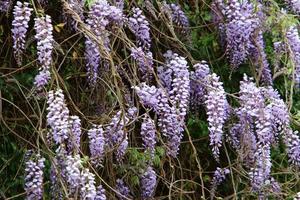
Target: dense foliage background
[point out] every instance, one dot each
(23, 109)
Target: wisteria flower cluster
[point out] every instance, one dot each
(22, 13)
(144, 62)
(139, 25)
(177, 16)
(148, 135)
(100, 16)
(34, 176)
(96, 144)
(148, 183)
(170, 105)
(4, 5)
(44, 37)
(115, 135)
(239, 22)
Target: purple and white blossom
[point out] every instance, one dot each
(100, 193)
(144, 61)
(34, 177)
(216, 105)
(96, 144)
(293, 42)
(100, 16)
(115, 135)
(177, 16)
(74, 134)
(148, 135)
(139, 25)
(88, 188)
(148, 183)
(58, 116)
(73, 172)
(122, 189)
(44, 37)
(4, 5)
(22, 13)
(198, 82)
(294, 5)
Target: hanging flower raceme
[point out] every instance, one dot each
(148, 183)
(4, 5)
(144, 62)
(198, 83)
(139, 25)
(177, 16)
(88, 188)
(293, 42)
(218, 178)
(169, 122)
(100, 193)
(73, 172)
(76, 6)
(34, 177)
(22, 14)
(44, 37)
(148, 135)
(216, 105)
(260, 60)
(74, 134)
(58, 116)
(100, 16)
(180, 87)
(122, 189)
(294, 5)
(238, 27)
(96, 144)
(116, 136)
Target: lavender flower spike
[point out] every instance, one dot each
(148, 135)
(44, 37)
(58, 116)
(88, 188)
(177, 16)
(148, 183)
(96, 144)
(74, 134)
(34, 178)
(22, 14)
(216, 105)
(100, 194)
(139, 25)
(122, 189)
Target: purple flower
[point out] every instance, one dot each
(122, 189)
(260, 59)
(34, 177)
(293, 42)
(139, 25)
(148, 183)
(22, 14)
(216, 104)
(179, 94)
(73, 172)
(100, 193)
(148, 135)
(58, 116)
(100, 16)
(88, 188)
(218, 178)
(294, 5)
(76, 6)
(44, 37)
(177, 16)
(74, 134)
(116, 136)
(96, 144)
(198, 82)
(4, 5)
(144, 61)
